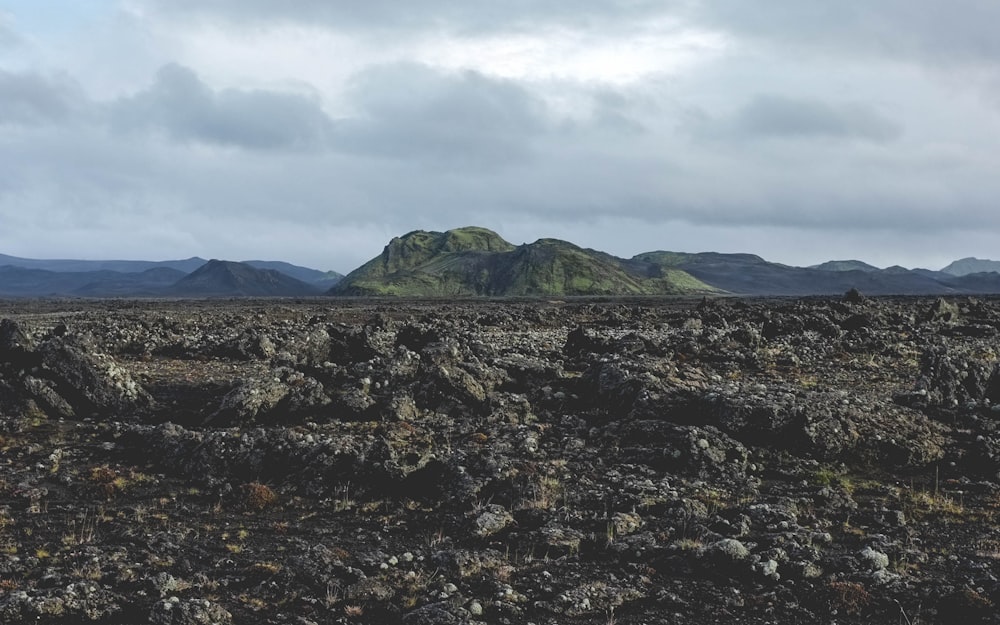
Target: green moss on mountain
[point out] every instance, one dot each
(477, 261)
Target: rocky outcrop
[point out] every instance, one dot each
(64, 375)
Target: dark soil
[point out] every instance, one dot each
(548, 462)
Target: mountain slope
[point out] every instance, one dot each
(219, 278)
(476, 261)
(323, 279)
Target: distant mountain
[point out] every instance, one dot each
(219, 278)
(844, 265)
(746, 274)
(147, 283)
(21, 282)
(323, 279)
(123, 266)
(185, 266)
(983, 282)
(966, 266)
(476, 261)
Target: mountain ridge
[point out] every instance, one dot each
(475, 261)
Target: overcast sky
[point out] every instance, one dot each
(313, 131)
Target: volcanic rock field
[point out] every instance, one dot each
(627, 461)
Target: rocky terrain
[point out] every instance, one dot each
(637, 461)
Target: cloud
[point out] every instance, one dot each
(930, 31)
(449, 15)
(775, 116)
(31, 99)
(8, 36)
(463, 119)
(184, 108)
(255, 128)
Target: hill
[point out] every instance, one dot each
(225, 278)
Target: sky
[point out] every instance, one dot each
(314, 131)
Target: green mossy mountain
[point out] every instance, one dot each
(476, 261)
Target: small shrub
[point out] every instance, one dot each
(849, 597)
(257, 496)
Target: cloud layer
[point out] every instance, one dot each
(313, 131)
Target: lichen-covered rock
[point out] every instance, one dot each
(492, 520)
(174, 611)
(77, 602)
(251, 401)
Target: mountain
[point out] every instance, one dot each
(322, 279)
(966, 266)
(122, 266)
(746, 274)
(219, 278)
(213, 279)
(21, 282)
(844, 265)
(146, 283)
(476, 261)
(186, 266)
